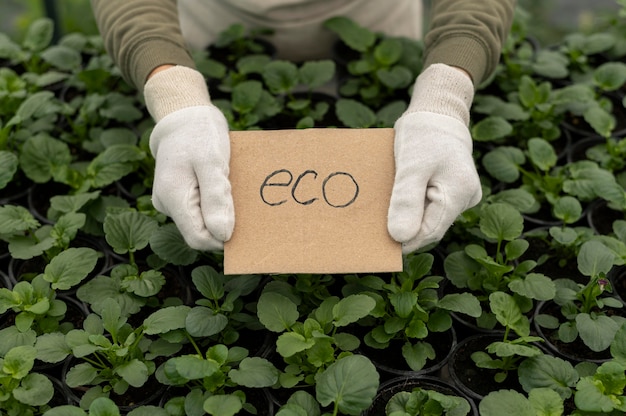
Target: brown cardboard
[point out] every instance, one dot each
(336, 219)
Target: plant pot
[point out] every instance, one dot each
(390, 362)
(601, 217)
(576, 351)
(398, 384)
(473, 381)
(617, 277)
(5, 281)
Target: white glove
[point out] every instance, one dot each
(436, 178)
(191, 147)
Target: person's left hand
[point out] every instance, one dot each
(436, 178)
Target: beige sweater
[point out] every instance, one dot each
(143, 34)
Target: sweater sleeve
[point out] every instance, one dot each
(140, 35)
(468, 34)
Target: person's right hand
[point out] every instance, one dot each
(191, 147)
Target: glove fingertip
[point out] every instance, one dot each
(400, 229)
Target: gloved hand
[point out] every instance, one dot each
(436, 178)
(191, 147)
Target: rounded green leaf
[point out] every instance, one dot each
(503, 163)
(128, 230)
(276, 312)
(351, 382)
(491, 128)
(70, 267)
(254, 372)
(501, 221)
(354, 114)
(223, 405)
(34, 390)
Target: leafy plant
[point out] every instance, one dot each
(112, 356)
(249, 104)
(540, 401)
(505, 356)
(494, 267)
(310, 346)
(584, 307)
(421, 400)
(24, 392)
(131, 284)
(283, 78)
(236, 41)
(103, 406)
(221, 313)
(380, 68)
(217, 379)
(537, 171)
(409, 308)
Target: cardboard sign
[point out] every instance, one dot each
(311, 201)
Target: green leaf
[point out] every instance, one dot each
(356, 37)
(128, 230)
(246, 96)
(491, 128)
(62, 57)
(465, 303)
(65, 410)
(276, 312)
(68, 268)
(39, 34)
(501, 222)
(351, 382)
(15, 218)
(8, 167)
(352, 308)
(602, 121)
(223, 405)
(314, 74)
(541, 153)
(290, 343)
(534, 286)
(593, 259)
(396, 77)
(354, 114)
(52, 348)
(597, 332)
(168, 243)
(18, 361)
(81, 374)
(103, 406)
(503, 163)
(134, 372)
(506, 402)
(42, 156)
(388, 51)
(416, 355)
(34, 390)
(568, 209)
(204, 322)
(610, 75)
(166, 319)
(209, 282)
(547, 371)
(280, 76)
(508, 313)
(254, 372)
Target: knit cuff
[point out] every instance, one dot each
(445, 90)
(174, 89)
